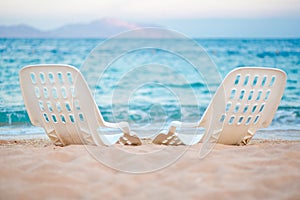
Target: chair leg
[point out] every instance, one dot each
(247, 138)
(167, 139)
(128, 139)
(54, 138)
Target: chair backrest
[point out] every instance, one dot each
(58, 99)
(246, 101)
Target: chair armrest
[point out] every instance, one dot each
(177, 124)
(124, 126)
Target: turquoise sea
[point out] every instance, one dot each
(150, 104)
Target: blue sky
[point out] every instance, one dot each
(197, 18)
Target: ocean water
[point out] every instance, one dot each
(148, 95)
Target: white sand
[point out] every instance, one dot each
(36, 169)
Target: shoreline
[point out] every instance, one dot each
(281, 134)
(43, 142)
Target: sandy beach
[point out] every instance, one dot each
(36, 169)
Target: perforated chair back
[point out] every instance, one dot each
(58, 99)
(250, 97)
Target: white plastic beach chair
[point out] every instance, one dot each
(246, 101)
(58, 99)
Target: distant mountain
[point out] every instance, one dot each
(19, 31)
(96, 29)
